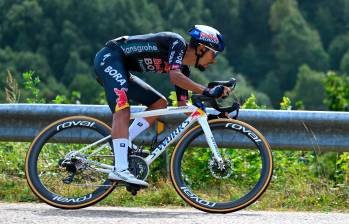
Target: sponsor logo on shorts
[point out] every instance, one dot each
(105, 57)
(122, 101)
(115, 75)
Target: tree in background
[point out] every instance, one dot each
(309, 88)
(337, 92)
(266, 41)
(330, 18)
(252, 55)
(294, 42)
(21, 27)
(271, 86)
(344, 65)
(338, 47)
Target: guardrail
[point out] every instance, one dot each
(297, 130)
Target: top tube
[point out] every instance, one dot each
(166, 111)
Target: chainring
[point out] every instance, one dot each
(138, 167)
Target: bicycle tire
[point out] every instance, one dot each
(31, 164)
(181, 181)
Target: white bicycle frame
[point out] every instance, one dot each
(197, 115)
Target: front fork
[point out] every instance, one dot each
(211, 141)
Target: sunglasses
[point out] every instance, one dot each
(215, 53)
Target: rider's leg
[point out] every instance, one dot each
(114, 77)
(141, 124)
(119, 133)
(121, 119)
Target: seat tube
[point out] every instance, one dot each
(210, 139)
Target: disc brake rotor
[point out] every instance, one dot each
(220, 171)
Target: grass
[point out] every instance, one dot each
(306, 184)
(295, 195)
(304, 195)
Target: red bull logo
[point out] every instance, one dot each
(122, 101)
(197, 113)
(209, 38)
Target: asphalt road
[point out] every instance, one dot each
(44, 214)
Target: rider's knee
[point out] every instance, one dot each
(163, 103)
(159, 104)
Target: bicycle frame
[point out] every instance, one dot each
(196, 115)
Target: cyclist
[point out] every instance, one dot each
(163, 52)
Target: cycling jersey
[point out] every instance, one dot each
(155, 52)
(159, 52)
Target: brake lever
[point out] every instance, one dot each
(237, 106)
(231, 89)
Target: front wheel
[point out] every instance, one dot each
(221, 188)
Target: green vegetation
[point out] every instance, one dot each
(301, 181)
(337, 92)
(280, 47)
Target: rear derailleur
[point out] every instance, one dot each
(72, 166)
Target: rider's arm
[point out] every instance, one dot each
(180, 80)
(177, 47)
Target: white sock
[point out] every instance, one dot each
(120, 153)
(137, 127)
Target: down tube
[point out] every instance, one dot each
(169, 139)
(210, 139)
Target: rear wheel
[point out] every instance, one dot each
(211, 187)
(64, 181)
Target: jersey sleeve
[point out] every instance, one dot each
(176, 53)
(182, 94)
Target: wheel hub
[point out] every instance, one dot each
(220, 170)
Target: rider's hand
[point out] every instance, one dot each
(214, 92)
(226, 91)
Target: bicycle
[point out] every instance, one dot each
(234, 170)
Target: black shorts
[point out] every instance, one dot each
(112, 74)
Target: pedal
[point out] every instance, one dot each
(133, 189)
